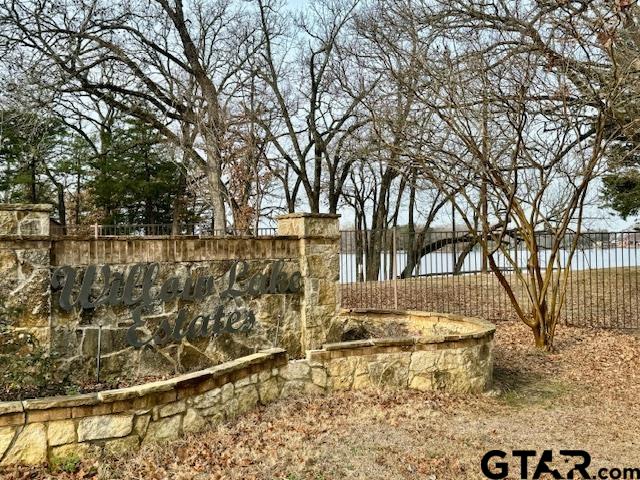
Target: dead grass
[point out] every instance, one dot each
(599, 298)
(585, 396)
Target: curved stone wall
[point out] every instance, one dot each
(447, 352)
(450, 353)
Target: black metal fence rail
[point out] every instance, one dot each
(448, 272)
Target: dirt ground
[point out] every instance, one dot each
(585, 396)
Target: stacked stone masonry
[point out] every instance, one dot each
(444, 352)
(295, 321)
(114, 421)
(319, 257)
(28, 220)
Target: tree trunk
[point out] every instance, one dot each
(543, 339)
(373, 255)
(33, 189)
(334, 198)
(314, 201)
(378, 225)
(359, 253)
(219, 223)
(179, 204)
(418, 251)
(544, 328)
(77, 205)
(62, 210)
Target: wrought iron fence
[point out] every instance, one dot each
(449, 272)
(154, 230)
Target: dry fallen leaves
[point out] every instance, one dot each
(582, 396)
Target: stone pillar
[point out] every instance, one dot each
(25, 220)
(25, 247)
(319, 238)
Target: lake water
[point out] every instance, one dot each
(441, 263)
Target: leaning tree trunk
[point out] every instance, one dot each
(468, 248)
(418, 250)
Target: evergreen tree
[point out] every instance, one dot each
(134, 180)
(621, 187)
(28, 141)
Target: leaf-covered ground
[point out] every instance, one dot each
(583, 397)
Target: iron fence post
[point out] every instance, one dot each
(394, 248)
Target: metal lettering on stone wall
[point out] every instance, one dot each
(135, 290)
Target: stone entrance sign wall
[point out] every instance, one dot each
(34, 267)
(293, 348)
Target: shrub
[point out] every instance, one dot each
(67, 464)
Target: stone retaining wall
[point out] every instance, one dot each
(33, 431)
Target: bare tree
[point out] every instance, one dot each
(316, 91)
(176, 66)
(392, 51)
(522, 96)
